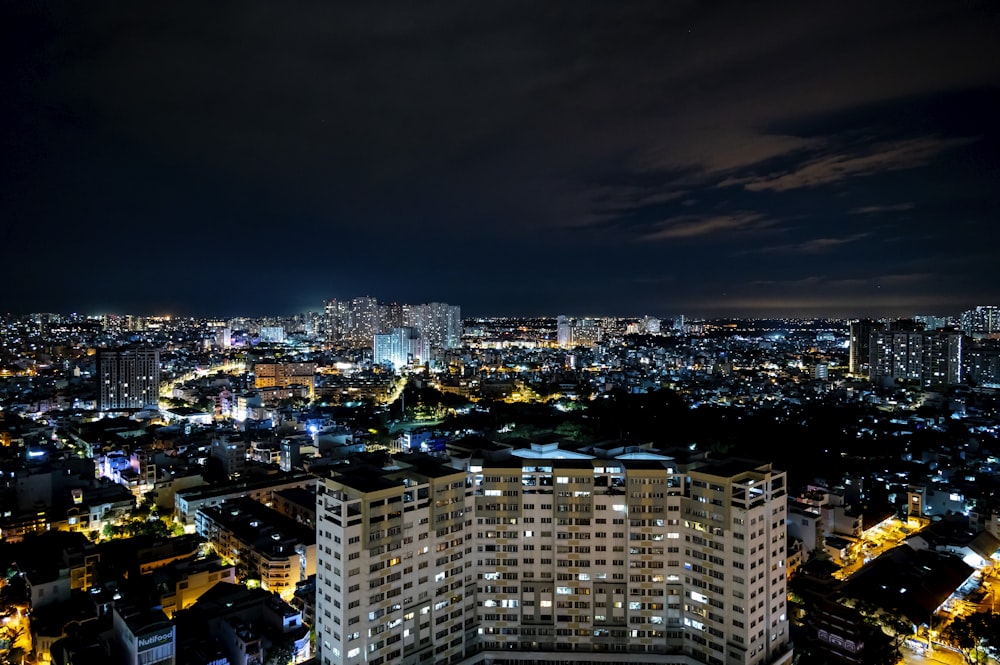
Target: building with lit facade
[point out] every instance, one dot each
(274, 334)
(264, 544)
(143, 637)
(401, 347)
(981, 321)
(859, 362)
(336, 314)
(363, 320)
(981, 363)
(358, 320)
(439, 323)
(283, 375)
(571, 331)
(532, 556)
(928, 358)
(128, 379)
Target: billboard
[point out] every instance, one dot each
(159, 638)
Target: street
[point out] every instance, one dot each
(940, 654)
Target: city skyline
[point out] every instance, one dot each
(519, 159)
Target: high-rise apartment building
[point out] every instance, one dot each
(564, 331)
(928, 358)
(932, 322)
(401, 347)
(981, 321)
(981, 363)
(363, 322)
(572, 331)
(128, 378)
(649, 325)
(439, 323)
(274, 334)
(336, 316)
(859, 363)
(537, 556)
(393, 315)
(357, 321)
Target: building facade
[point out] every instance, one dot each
(439, 323)
(401, 347)
(859, 361)
(927, 358)
(264, 544)
(128, 379)
(527, 560)
(283, 375)
(981, 321)
(143, 637)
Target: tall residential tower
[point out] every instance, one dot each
(542, 555)
(128, 379)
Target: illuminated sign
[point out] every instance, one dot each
(156, 639)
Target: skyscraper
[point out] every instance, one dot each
(363, 323)
(981, 321)
(861, 332)
(564, 331)
(532, 557)
(336, 315)
(128, 379)
(400, 347)
(439, 323)
(927, 358)
(573, 331)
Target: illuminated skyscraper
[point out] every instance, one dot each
(861, 345)
(272, 334)
(439, 323)
(393, 315)
(401, 347)
(363, 322)
(128, 379)
(336, 317)
(982, 321)
(650, 325)
(572, 331)
(564, 331)
(926, 358)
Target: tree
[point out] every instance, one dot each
(281, 651)
(10, 652)
(886, 636)
(976, 635)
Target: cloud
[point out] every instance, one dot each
(814, 246)
(379, 126)
(615, 199)
(876, 280)
(871, 210)
(886, 156)
(691, 226)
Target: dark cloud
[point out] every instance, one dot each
(481, 152)
(814, 246)
(833, 168)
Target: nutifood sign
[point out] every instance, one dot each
(155, 639)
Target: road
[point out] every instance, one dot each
(166, 388)
(940, 654)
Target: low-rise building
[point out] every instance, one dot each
(188, 502)
(264, 544)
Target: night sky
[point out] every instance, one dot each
(588, 158)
